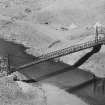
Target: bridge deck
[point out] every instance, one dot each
(63, 52)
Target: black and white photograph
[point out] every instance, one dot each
(52, 52)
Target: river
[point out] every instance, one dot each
(56, 73)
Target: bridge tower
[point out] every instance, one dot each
(4, 66)
(96, 35)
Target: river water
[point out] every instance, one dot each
(56, 73)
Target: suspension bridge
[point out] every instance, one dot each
(95, 44)
(98, 41)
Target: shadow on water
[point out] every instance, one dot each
(76, 65)
(87, 93)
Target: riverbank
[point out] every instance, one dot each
(20, 93)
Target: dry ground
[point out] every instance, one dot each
(19, 93)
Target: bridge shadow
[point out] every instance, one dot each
(82, 60)
(68, 68)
